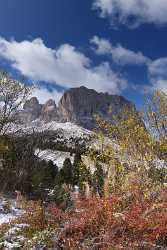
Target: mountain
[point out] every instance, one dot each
(77, 105)
(64, 129)
(31, 110)
(80, 105)
(49, 111)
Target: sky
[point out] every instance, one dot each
(114, 46)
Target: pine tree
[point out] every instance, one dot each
(76, 168)
(52, 169)
(66, 173)
(50, 173)
(80, 172)
(98, 179)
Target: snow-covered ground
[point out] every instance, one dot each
(7, 215)
(6, 218)
(66, 131)
(57, 157)
(13, 238)
(69, 129)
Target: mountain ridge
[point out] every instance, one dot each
(77, 105)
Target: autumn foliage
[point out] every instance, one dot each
(123, 221)
(130, 211)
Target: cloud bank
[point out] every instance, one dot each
(158, 74)
(68, 67)
(156, 69)
(120, 55)
(133, 12)
(65, 65)
(43, 94)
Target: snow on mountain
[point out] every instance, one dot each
(69, 129)
(63, 133)
(66, 133)
(57, 157)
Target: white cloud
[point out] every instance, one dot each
(159, 67)
(158, 74)
(102, 45)
(120, 55)
(65, 65)
(161, 84)
(43, 95)
(141, 11)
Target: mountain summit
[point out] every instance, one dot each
(77, 105)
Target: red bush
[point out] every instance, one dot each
(118, 222)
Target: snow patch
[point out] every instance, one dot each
(69, 129)
(8, 216)
(57, 157)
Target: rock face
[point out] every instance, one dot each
(49, 111)
(31, 110)
(80, 105)
(77, 105)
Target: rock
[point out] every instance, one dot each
(77, 105)
(31, 110)
(49, 111)
(31, 104)
(80, 105)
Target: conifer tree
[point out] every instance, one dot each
(98, 179)
(66, 172)
(76, 168)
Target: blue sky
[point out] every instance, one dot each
(116, 46)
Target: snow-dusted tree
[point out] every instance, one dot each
(156, 114)
(12, 96)
(156, 118)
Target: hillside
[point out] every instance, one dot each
(75, 187)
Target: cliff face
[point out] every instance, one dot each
(77, 105)
(31, 110)
(80, 105)
(49, 111)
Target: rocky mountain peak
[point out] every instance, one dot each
(31, 110)
(31, 103)
(80, 105)
(49, 111)
(77, 105)
(49, 106)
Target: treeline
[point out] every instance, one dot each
(22, 170)
(55, 140)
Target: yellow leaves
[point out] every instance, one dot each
(120, 168)
(156, 113)
(137, 145)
